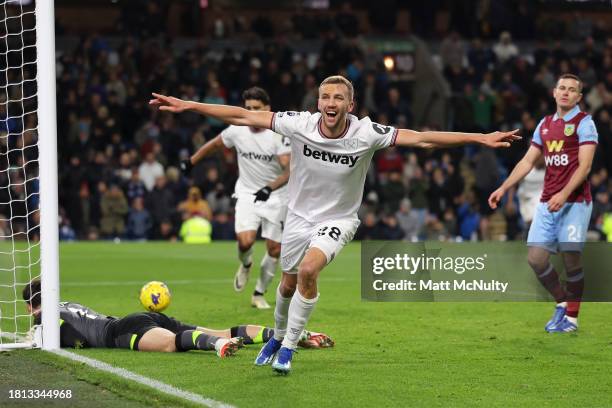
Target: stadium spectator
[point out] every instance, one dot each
(135, 188)
(149, 170)
(408, 220)
(100, 80)
(369, 228)
(223, 227)
(505, 49)
(161, 205)
(139, 221)
(468, 217)
(114, 207)
(452, 50)
(195, 205)
(196, 230)
(389, 228)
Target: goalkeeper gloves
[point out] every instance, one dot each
(263, 194)
(186, 166)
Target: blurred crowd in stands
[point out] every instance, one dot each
(119, 159)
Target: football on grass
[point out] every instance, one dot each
(155, 296)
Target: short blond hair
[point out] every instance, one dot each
(339, 79)
(571, 76)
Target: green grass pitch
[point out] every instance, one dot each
(386, 354)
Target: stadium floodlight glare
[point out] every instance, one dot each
(389, 62)
(28, 173)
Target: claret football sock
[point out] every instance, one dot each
(574, 288)
(195, 340)
(550, 280)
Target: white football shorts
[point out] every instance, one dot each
(269, 215)
(300, 235)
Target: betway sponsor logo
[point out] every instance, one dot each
(330, 157)
(257, 156)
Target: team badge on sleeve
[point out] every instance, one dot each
(569, 129)
(380, 129)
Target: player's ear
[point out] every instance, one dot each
(351, 106)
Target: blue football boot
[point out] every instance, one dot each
(556, 318)
(267, 352)
(282, 361)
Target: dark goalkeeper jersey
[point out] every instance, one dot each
(81, 326)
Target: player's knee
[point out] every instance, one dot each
(244, 244)
(286, 291)
(572, 262)
(308, 274)
(537, 262)
(287, 288)
(274, 249)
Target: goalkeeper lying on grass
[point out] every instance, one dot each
(82, 327)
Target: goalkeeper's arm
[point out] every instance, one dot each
(232, 115)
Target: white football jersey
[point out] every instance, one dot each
(328, 175)
(258, 153)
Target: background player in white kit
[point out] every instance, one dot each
(331, 153)
(260, 192)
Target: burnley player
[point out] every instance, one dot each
(330, 155)
(260, 191)
(568, 141)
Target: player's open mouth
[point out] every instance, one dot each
(331, 114)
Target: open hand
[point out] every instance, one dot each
(168, 103)
(501, 139)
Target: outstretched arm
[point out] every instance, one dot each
(521, 169)
(232, 115)
(434, 139)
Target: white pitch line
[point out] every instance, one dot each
(149, 382)
(174, 282)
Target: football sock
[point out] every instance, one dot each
(280, 315)
(299, 314)
(574, 288)
(246, 257)
(268, 270)
(195, 340)
(550, 280)
(264, 334)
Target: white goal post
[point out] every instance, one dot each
(26, 254)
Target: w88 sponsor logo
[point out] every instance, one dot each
(557, 160)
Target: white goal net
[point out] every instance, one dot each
(21, 164)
